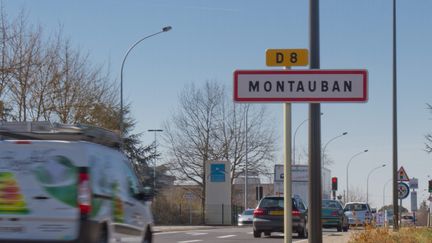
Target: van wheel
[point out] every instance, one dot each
(148, 237)
(256, 234)
(103, 234)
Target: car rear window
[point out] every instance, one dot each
(275, 202)
(330, 204)
(248, 212)
(356, 207)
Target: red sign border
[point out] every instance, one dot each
(363, 72)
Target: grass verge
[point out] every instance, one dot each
(386, 235)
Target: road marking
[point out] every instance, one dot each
(225, 236)
(196, 233)
(188, 241)
(166, 233)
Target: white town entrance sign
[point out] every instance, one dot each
(300, 86)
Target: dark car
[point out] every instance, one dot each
(269, 216)
(333, 216)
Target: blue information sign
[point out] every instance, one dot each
(217, 172)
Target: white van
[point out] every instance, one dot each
(57, 187)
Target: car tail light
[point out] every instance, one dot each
(334, 213)
(295, 213)
(84, 192)
(258, 212)
(22, 142)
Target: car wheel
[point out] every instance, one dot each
(267, 233)
(148, 237)
(339, 228)
(303, 232)
(345, 229)
(256, 234)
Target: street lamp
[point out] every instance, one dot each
(367, 181)
(295, 133)
(155, 153)
(349, 162)
(164, 29)
(246, 159)
(385, 185)
(325, 146)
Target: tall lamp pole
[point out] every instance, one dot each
(385, 185)
(155, 154)
(325, 146)
(246, 159)
(349, 162)
(367, 181)
(294, 139)
(164, 29)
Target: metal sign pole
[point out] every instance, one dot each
(287, 174)
(315, 181)
(395, 151)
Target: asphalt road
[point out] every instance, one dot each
(229, 234)
(225, 235)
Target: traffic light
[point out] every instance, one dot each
(334, 183)
(430, 186)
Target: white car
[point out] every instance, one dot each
(246, 217)
(55, 187)
(358, 213)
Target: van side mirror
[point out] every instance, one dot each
(373, 210)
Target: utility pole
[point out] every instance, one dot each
(315, 181)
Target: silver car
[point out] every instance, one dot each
(246, 217)
(358, 213)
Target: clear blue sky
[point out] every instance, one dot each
(211, 39)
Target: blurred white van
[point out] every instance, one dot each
(64, 183)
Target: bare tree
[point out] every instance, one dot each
(208, 127)
(356, 195)
(48, 79)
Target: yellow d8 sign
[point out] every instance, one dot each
(287, 57)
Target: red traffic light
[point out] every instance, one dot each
(334, 183)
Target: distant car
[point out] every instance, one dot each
(268, 217)
(407, 220)
(358, 213)
(333, 216)
(246, 217)
(390, 217)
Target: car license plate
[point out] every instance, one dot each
(276, 213)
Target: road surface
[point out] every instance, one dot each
(229, 235)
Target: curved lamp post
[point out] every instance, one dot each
(349, 162)
(295, 133)
(325, 146)
(367, 181)
(385, 185)
(164, 29)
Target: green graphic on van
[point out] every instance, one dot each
(59, 176)
(11, 199)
